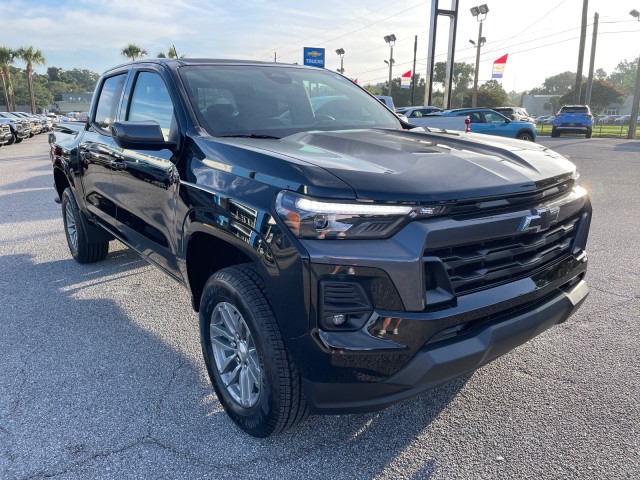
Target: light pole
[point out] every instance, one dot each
(633, 121)
(391, 40)
(480, 13)
(340, 52)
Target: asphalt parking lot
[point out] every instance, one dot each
(101, 373)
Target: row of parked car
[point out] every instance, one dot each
(598, 119)
(16, 126)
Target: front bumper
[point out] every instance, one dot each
(342, 380)
(429, 319)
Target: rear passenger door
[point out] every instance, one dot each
(146, 183)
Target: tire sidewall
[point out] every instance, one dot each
(255, 417)
(67, 198)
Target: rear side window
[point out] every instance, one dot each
(108, 101)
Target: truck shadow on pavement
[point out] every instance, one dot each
(102, 371)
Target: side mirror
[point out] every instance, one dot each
(145, 135)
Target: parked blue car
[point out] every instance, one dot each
(573, 119)
(485, 120)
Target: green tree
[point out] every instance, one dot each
(600, 74)
(603, 94)
(557, 84)
(133, 51)
(172, 53)
(6, 59)
(490, 95)
(462, 78)
(85, 79)
(624, 76)
(30, 56)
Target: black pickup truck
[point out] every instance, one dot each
(340, 259)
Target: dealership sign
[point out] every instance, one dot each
(314, 57)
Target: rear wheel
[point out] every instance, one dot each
(253, 376)
(589, 133)
(83, 248)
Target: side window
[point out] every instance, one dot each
(416, 114)
(151, 101)
(108, 101)
(474, 117)
(493, 117)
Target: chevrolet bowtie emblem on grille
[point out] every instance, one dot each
(539, 220)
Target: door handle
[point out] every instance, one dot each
(117, 165)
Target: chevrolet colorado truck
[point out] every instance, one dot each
(340, 259)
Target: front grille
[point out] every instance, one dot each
(486, 264)
(486, 206)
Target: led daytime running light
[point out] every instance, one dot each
(308, 205)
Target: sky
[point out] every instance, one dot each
(540, 36)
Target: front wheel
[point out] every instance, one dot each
(83, 248)
(253, 376)
(17, 139)
(526, 135)
(554, 133)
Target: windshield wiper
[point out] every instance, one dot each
(253, 135)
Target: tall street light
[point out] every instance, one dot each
(340, 52)
(391, 40)
(633, 121)
(480, 14)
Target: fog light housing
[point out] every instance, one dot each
(344, 306)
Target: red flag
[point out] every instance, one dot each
(405, 80)
(498, 66)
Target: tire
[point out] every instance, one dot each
(83, 249)
(16, 139)
(241, 344)
(525, 135)
(12, 140)
(555, 133)
(589, 133)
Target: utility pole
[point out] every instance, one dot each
(275, 57)
(583, 36)
(413, 71)
(594, 39)
(633, 121)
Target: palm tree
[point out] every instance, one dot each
(133, 51)
(172, 53)
(30, 56)
(6, 58)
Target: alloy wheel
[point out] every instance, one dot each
(235, 354)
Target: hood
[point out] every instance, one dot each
(423, 166)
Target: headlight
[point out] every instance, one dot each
(325, 219)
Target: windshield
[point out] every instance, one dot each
(266, 100)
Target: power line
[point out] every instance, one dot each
(285, 48)
(521, 51)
